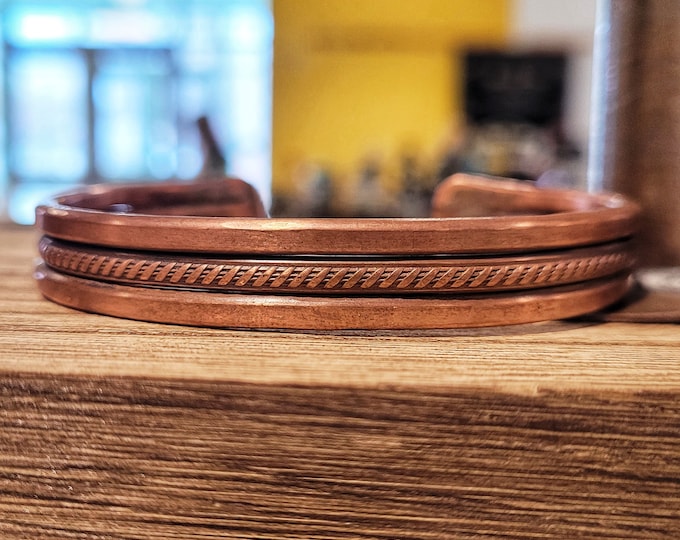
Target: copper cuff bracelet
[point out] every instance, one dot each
(495, 252)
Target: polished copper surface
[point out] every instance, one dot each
(655, 298)
(497, 252)
(337, 276)
(126, 217)
(296, 312)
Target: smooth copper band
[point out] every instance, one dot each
(127, 217)
(199, 308)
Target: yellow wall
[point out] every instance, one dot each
(353, 77)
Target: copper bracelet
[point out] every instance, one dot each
(205, 254)
(226, 216)
(385, 276)
(199, 308)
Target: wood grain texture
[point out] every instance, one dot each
(125, 458)
(125, 430)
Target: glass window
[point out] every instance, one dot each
(134, 115)
(47, 110)
(112, 91)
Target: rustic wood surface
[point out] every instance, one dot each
(126, 430)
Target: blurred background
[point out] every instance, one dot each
(329, 108)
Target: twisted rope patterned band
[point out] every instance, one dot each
(429, 276)
(495, 252)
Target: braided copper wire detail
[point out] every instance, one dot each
(432, 276)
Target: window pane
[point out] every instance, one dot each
(27, 195)
(106, 90)
(135, 133)
(47, 112)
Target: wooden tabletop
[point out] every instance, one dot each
(121, 429)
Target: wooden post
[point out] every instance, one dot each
(639, 139)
